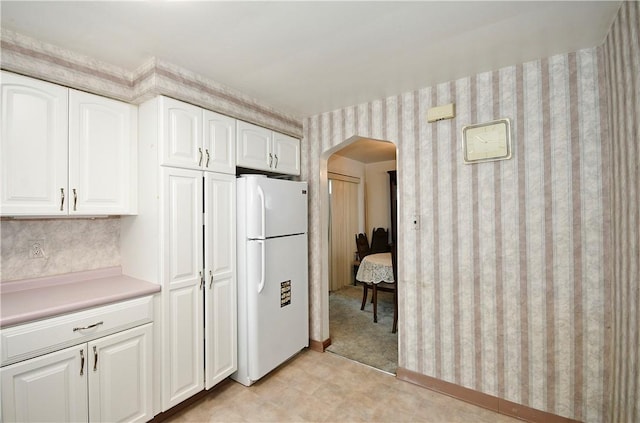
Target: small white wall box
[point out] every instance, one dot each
(448, 111)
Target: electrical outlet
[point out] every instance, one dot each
(36, 248)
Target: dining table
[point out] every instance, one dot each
(375, 269)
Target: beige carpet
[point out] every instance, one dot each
(353, 333)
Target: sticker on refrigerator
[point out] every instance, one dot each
(285, 293)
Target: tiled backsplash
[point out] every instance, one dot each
(70, 245)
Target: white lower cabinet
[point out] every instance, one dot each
(120, 376)
(199, 288)
(105, 380)
(220, 308)
(49, 388)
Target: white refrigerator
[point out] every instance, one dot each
(273, 293)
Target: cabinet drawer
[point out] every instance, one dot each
(32, 339)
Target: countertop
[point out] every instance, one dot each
(33, 299)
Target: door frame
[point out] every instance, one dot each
(324, 234)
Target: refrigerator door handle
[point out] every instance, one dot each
(263, 212)
(262, 266)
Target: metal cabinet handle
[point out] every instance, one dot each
(276, 161)
(270, 159)
(88, 327)
(95, 358)
(61, 199)
(207, 164)
(201, 280)
(75, 199)
(200, 159)
(211, 280)
(81, 362)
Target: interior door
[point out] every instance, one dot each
(343, 197)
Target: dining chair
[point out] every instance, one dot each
(380, 241)
(379, 244)
(362, 246)
(363, 249)
(387, 287)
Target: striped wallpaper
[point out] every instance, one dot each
(505, 288)
(621, 52)
(502, 289)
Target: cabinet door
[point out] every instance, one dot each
(102, 155)
(253, 148)
(49, 388)
(220, 268)
(120, 379)
(219, 142)
(286, 153)
(183, 363)
(33, 147)
(181, 142)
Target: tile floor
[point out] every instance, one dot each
(324, 387)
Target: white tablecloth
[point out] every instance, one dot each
(376, 268)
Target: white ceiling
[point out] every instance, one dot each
(306, 58)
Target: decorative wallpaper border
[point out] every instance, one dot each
(31, 57)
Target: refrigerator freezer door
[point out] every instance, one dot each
(278, 322)
(275, 207)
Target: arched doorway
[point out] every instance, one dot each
(344, 305)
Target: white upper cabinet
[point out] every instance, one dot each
(199, 139)
(102, 155)
(262, 149)
(65, 152)
(286, 151)
(194, 138)
(181, 136)
(219, 142)
(254, 147)
(33, 147)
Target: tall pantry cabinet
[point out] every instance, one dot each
(184, 237)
